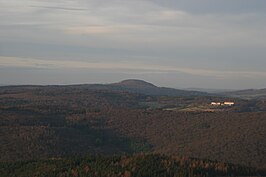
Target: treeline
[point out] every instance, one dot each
(141, 165)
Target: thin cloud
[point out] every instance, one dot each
(122, 66)
(114, 29)
(61, 8)
(90, 30)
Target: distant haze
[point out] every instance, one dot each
(216, 44)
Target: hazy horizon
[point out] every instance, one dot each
(210, 44)
(202, 89)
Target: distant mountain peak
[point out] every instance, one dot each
(135, 83)
(143, 87)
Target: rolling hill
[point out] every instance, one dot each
(247, 94)
(130, 85)
(143, 87)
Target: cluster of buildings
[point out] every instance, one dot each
(226, 103)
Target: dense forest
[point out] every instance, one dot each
(141, 165)
(44, 128)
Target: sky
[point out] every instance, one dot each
(175, 43)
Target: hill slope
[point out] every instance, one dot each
(130, 85)
(247, 94)
(135, 83)
(143, 87)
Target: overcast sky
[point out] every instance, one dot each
(176, 43)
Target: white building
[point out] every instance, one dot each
(216, 103)
(229, 103)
